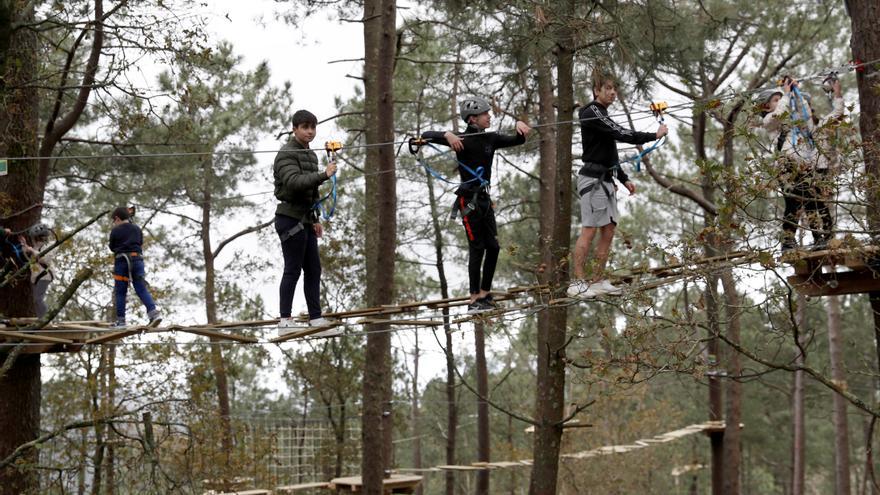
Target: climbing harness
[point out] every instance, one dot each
(657, 108)
(127, 257)
(415, 148)
(331, 147)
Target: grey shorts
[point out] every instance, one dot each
(598, 202)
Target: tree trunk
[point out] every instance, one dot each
(732, 452)
(799, 432)
(865, 44)
(380, 237)
(416, 428)
(841, 425)
(483, 436)
(218, 364)
(716, 387)
(19, 418)
(108, 407)
(451, 404)
(555, 229)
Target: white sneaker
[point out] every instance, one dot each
(286, 326)
(323, 322)
(578, 288)
(603, 287)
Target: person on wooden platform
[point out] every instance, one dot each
(595, 185)
(806, 157)
(297, 178)
(33, 241)
(126, 242)
(474, 150)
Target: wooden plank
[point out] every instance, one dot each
(109, 337)
(414, 323)
(835, 284)
(456, 467)
(257, 491)
(34, 337)
(395, 482)
(305, 332)
(237, 324)
(76, 326)
(302, 487)
(207, 332)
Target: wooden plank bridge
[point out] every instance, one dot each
(811, 278)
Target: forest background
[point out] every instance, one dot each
(175, 107)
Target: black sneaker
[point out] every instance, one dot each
(478, 306)
(820, 245)
(490, 301)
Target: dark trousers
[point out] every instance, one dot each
(300, 255)
(807, 191)
(123, 274)
(482, 233)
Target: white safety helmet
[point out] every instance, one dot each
(765, 95)
(473, 106)
(39, 230)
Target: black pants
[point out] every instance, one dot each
(300, 255)
(807, 191)
(482, 233)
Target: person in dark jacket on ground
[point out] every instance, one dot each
(297, 178)
(126, 240)
(475, 149)
(595, 185)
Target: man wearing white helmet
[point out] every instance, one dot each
(806, 157)
(475, 150)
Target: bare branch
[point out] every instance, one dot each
(255, 228)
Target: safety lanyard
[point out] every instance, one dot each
(331, 147)
(657, 108)
(795, 129)
(415, 147)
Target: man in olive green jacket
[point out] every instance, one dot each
(297, 178)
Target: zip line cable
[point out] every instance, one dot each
(859, 66)
(243, 152)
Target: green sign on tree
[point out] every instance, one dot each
(3, 167)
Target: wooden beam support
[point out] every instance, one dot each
(835, 284)
(109, 337)
(302, 333)
(34, 337)
(413, 323)
(207, 332)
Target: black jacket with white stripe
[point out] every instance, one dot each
(599, 132)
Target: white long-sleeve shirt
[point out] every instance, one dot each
(818, 154)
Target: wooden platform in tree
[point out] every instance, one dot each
(835, 271)
(397, 483)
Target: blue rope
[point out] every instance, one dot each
(319, 205)
(795, 130)
(637, 158)
(478, 173)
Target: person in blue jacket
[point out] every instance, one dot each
(126, 242)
